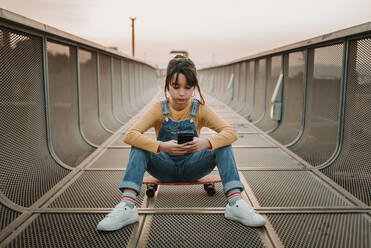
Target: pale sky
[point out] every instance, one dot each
(212, 31)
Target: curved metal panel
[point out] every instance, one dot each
(117, 92)
(319, 138)
(105, 93)
(249, 89)
(90, 124)
(352, 169)
(67, 141)
(274, 65)
(259, 91)
(292, 111)
(27, 169)
(7, 216)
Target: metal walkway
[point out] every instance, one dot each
(65, 104)
(303, 207)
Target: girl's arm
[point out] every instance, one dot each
(135, 137)
(226, 135)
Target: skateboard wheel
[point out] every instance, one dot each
(150, 192)
(211, 191)
(206, 186)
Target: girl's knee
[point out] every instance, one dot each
(224, 152)
(136, 152)
(227, 148)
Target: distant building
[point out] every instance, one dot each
(184, 53)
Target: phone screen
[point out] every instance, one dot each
(185, 137)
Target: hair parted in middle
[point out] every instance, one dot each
(180, 64)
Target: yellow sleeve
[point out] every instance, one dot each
(226, 135)
(135, 137)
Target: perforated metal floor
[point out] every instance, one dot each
(197, 230)
(303, 208)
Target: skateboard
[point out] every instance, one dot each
(208, 182)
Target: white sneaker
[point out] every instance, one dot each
(242, 212)
(119, 217)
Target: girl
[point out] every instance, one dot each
(168, 161)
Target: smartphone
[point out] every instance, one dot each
(185, 137)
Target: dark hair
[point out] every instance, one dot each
(185, 66)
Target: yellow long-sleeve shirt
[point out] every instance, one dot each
(206, 117)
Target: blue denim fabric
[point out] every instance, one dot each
(175, 168)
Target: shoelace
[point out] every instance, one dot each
(117, 209)
(249, 209)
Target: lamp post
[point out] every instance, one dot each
(132, 36)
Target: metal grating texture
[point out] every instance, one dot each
(259, 91)
(126, 87)
(242, 87)
(138, 91)
(291, 189)
(243, 127)
(90, 124)
(64, 120)
(322, 230)
(116, 91)
(292, 109)
(249, 93)
(236, 85)
(228, 114)
(319, 139)
(198, 230)
(352, 169)
(264, 157)
(7, 216)
(274, 71)
(184, 196)
(105, 93)
(112, 158)
(133, 88)
(94, 189)
(70, 230)
(27, 170)
(254, 140)
(224, 95)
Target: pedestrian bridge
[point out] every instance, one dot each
(302, 112)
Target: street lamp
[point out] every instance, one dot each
(132, 18)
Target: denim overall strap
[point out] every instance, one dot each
(164, 107)
(193, 112)
(194, 108)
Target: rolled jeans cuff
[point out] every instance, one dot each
(233, 185)
(130, 185)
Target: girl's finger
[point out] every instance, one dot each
(192, 147)
(182, 145)
(192, 142)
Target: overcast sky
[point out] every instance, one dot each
(211, 30)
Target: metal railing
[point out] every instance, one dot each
(61, 99)
(326, 100)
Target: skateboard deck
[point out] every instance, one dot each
(204, 180)
(208, 182)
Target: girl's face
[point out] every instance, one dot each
(180, 93)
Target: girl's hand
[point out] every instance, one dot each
(198, 144)
(173, 147)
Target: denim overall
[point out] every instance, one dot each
(176, 168)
